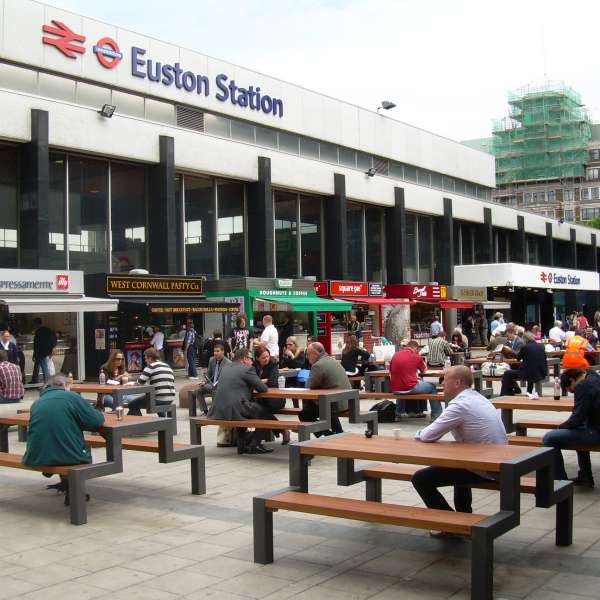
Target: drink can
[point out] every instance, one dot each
(119, 410)
(281, 382)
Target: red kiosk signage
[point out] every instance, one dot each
(417, 291)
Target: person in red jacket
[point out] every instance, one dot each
(405, 365)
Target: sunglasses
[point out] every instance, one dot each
(119, 358)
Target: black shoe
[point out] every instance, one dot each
(243, 450)
(583, 480)
(47, 475)
(260, 449)
(60, 487)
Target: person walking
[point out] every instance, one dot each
(158, 341)
(44, 342)
(582, 428)
(190, 349)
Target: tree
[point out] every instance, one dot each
(595, 223)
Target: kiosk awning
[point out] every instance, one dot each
(309, 304)
(58, 305)
(376, 300)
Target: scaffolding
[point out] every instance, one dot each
(545, 137)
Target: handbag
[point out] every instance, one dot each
(384, 351)
(50, 366)
(492, 369)
(303, 375)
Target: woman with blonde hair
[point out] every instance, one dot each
(114, 370)
(293, 355)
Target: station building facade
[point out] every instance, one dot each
(209, 169)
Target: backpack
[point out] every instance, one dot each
(386, 411)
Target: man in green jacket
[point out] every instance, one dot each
(325, 373)
(56, 425)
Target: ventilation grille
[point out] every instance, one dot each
(381, 165)
(190, 118)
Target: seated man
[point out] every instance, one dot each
(233, 401)
(439, 349)
(575, 348)
(533, 368)
(470, 418)
(405, 365)
(55, 431)
(216, 364)
(325, 373)
(582, 427)
(160, 376)
(11, 383)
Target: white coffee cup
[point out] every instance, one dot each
(397, 433)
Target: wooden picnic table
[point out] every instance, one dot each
(508, 404)
(114, 431)
(513, 362)
(509, 462)
(378, 381)
(118, 392)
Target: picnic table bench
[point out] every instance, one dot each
(509, 462)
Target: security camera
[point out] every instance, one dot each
(371, 172)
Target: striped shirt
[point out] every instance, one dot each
(160, 376)
(439, 348)
(11, 384)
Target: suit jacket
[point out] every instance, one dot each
(233, 399)
(212, 365)
(534, 366)
(12, 353)
(586, 409)
(327, 372)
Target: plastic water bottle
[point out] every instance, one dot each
(102, 378)
(447, 363)
(70, 378)
(281, 382)
(557, 389)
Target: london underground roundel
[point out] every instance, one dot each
(108, 53)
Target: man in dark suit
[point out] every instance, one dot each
(233, 401)
(9, 347)
(44, 341)
(216, 364)
(533, 367)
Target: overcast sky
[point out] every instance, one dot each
(447, 64)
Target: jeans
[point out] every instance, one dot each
(428, 480)
(109, 402)
(422, 387)
(192, 359)
(137, 402)
(559, 438)
(40, 362)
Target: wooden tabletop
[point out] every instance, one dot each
(301, 394)
(565, 404)
(97, 388)
(484, 457)
(110, 420)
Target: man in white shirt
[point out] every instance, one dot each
(158, 341)
(470, 418)
(436, 327)
(269, 336)
(556, 335)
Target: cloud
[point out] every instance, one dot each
(447, 65)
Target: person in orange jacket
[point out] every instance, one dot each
(575, 348)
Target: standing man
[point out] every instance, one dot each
(405, 365)
(269, 337)
(482, 326)
(11, 383)
(160, 376)
(44, 341)
(158, 341)
(436, 327)
(354, 327)
(325, 373)
(216, 364)
(470, 418)
(189, 349)
(581, 428)
(9, 347)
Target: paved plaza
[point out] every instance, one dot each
(147, 537)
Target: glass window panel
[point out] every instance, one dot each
(436, 181)
(162, 112)
(585, 194)
(309, 148)
(216, 125)
(347, 157)
(328, 152)
(128, 216)
(595, 193)
(364, 161)
(410, 173)
(244, 132)
(470, 189)
(199, 234)
(88, 202)
(467, 246)
(425, 241)
(457, 243)
(396, 170)
(288, 142)
(355, 241)
(448, 184)
(286, 234)
(410, 265)
(9, 178)
(460, 188)
(424, 177)
(92, 95)
(373, 218)
(266, 137)
(56, 211)
(128, 104)
(16, 78)
(60, 88)
(310, 229)
(230, 229)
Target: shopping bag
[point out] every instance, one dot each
(492, 369)
(384, 351)
(50, 365)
